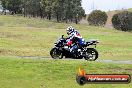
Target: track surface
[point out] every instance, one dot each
(105, 61)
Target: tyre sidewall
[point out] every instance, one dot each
(51, 53)
(95, 51)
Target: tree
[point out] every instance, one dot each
(97, 18)
(61, 10)
(122, 21)
(49, 8)
(4, 5)
(58, 9)
(78, 11)
(14, 6)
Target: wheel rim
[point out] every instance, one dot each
(90, 55)
(56, 54)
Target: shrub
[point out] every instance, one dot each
(122, 21)
(97, 18)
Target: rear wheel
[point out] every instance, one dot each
(91, 54)
(56, 53)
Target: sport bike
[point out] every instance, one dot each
(61, 50)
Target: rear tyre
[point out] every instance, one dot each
(91, 54)
(56, 53)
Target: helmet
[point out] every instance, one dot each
(69, 30)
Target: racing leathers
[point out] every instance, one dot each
(73, 38)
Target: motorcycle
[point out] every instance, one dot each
(62, 50)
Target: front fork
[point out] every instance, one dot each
(82, 51)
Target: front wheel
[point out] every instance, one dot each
(56, 53)
(91, 54)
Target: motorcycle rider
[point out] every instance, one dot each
(74, 37)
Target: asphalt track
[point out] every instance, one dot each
(98, 60)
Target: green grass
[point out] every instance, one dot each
(33, 73)
(21, 36)
(35, 37)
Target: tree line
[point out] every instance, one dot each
(122, 20)
(61, 10)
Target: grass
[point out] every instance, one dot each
(21, 36)
(33, 73)
(35, 37)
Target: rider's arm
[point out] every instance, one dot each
(69, 41)
(72, 36)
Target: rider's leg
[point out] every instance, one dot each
(81, 42)
(73, 49)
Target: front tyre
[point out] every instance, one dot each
(56, 53)
(91, 54)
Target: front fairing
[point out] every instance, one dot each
(60, 42)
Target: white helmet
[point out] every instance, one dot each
(69, 30)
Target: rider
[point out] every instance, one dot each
(74, 34)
